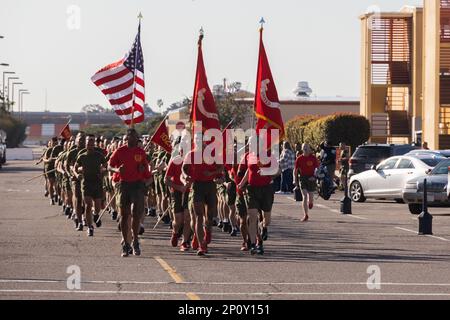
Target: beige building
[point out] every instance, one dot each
(405, 74)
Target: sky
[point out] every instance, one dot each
(55, 46)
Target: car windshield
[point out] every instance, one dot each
(441, 168)
(372, 152)
(432, 162)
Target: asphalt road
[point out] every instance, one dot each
(373, 254)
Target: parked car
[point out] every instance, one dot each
(387, 180)
(368, 155)
(437, 182)
(2, 153)
(443, 153)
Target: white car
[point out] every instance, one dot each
(387, 180)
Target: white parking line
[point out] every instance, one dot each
(337, 211)
(414, 294)
(415, 232)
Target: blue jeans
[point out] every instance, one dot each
(277, 184)
(286, 181)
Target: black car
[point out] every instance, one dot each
(437, 189)
(369, 155)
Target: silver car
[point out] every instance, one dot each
(387, 180)
(437, 189)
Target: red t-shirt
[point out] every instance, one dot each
(241, 170)
(198, 170)
(255, 179)
(131, 158)
(174, 171)
(307, 165)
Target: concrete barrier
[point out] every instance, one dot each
(19, 154)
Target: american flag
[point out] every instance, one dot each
(123, 84)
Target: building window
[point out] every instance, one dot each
(444, 120)
(445, 20)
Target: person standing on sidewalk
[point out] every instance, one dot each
(287, 164)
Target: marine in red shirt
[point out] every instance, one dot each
(130, 162)
(179, 197)
(260, 197)
(305, 167)
(204, 192)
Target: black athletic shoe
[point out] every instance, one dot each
(152, 212)
(97, 221)
(85, 223)
(60, 202)
(64, 209)
(166, 219)
(214, 223)
(125, 250)
(46, 194)
(90, 231)
(220, 224)
(253, 250)
(52, 201)
(76, 223)
(260, 249)
(141, 230)
(80, 227)
(136, 248)
(264, 234)
(114, 215)
(67, 211)
(234, 232)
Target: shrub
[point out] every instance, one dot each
(295, 128)
(352, 129)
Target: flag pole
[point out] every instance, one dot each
(134, 80)
(261, 29)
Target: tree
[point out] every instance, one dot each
(229, 109)
(93, 108)
(186, 102)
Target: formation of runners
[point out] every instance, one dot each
(128, 179)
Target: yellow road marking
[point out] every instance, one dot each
(175, 276)
(192, 296)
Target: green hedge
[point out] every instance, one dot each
(295, 128)
(352, 129)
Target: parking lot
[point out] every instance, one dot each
(375, 253)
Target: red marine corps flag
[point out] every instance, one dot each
(267, 104)
(203, 105)
(161, 137)
(66, 133)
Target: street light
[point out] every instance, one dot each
(21, 93)
(8, 87)
(12, 96)
(4, 95)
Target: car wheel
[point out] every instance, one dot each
(356, 192)
(415, 208)
(399, 200)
